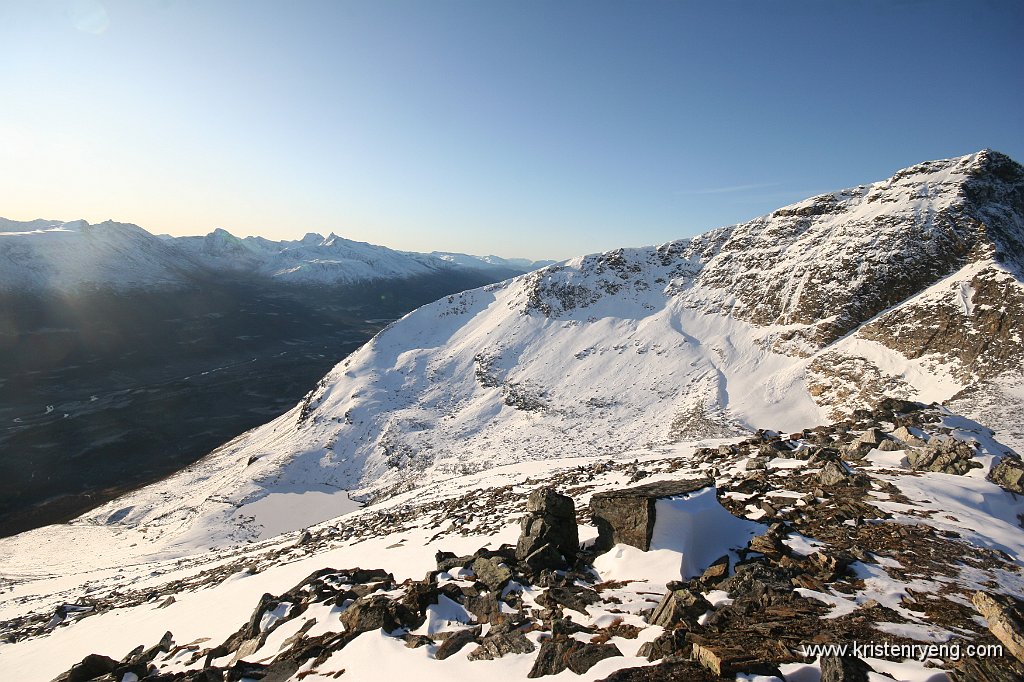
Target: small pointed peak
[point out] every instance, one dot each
(312, 238)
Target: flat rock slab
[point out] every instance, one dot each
(627, 516)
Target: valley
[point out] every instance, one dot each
(104, 392)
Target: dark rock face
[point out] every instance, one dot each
(498, 645)
(1009, 474)
(456, 642)
(627, 516)
(844, 669)
(574, 598)
(377, 612)
(557, 655)
(834, 473)
(550, 524)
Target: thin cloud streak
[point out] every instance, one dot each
(728, 190)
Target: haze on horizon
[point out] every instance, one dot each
(533, 129)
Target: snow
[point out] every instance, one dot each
(69, 257)
(700, 529)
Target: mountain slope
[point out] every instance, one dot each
(785, 321)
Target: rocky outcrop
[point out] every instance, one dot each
(627, 516)
(561, 654)
(378, 612)
(679, 606)
(1005, 616)
(944, 455)
(1008, 473)
(550, 537)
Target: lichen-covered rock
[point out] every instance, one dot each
(492, 572)
(1005, 617)
(1009, 474)
(496, 646)
(947, 456)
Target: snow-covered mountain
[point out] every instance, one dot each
(650, 363)
(908, 287)
(45, 255)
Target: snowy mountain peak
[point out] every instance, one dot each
(47, 256)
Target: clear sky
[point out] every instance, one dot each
(528, 128)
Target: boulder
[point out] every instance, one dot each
(909, 437)
(492, 572)
(571, 597)
(717, 571)
(627, 516)
(857, 451)
(679, 606)
(844, 669)
(873, 437)
(485, 608)
(496, 646)
(419, 595)
(550, 520)
(834, 473)
(1005, 617)
(672, 642)
(377, 612)
(546, 557)
(557, 655)
(944, 455)
(89, 668)
(728, 661)
(456, 642)
(1008, 474)
(888, 407)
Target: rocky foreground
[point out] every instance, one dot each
(836, 547)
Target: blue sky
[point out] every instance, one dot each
(527, 128)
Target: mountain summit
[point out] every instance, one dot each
(909, 287)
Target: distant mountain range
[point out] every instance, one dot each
(49, 255)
